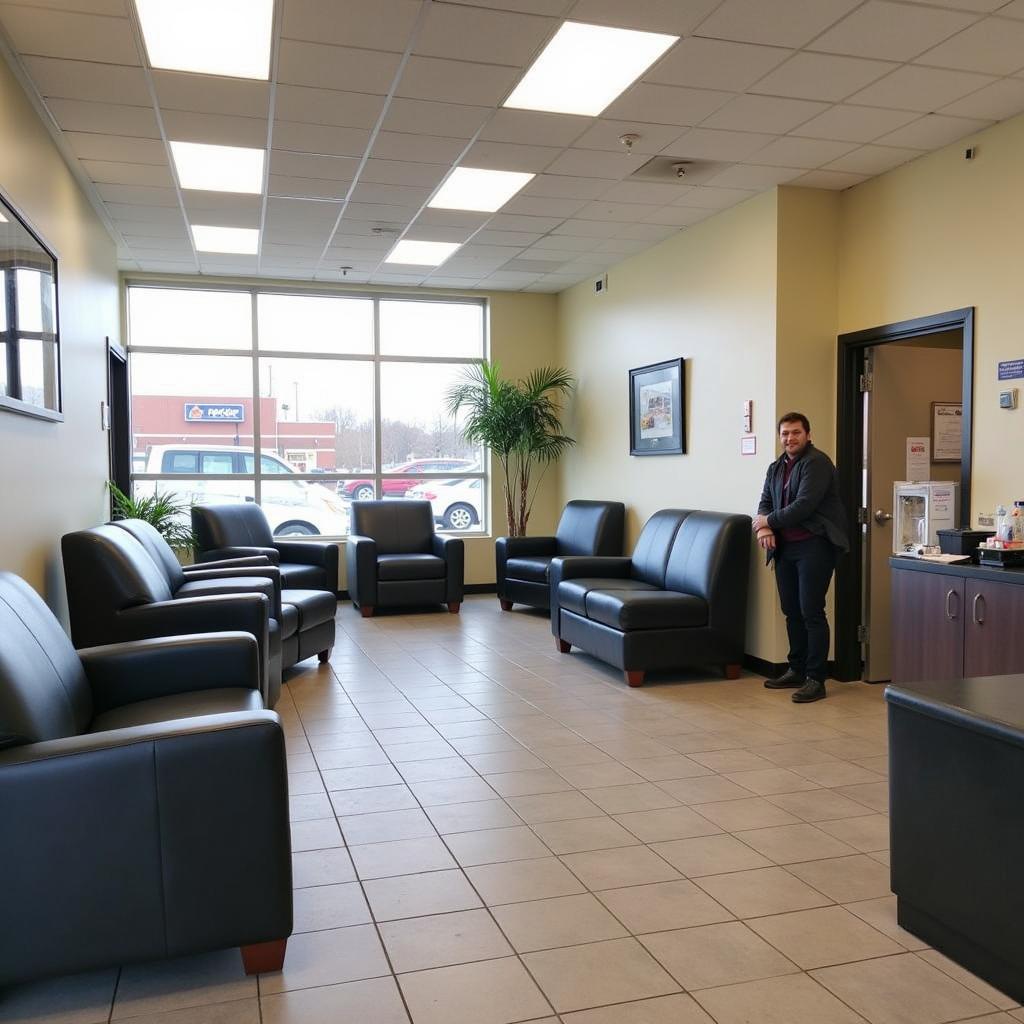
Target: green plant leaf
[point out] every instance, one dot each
(165, 512)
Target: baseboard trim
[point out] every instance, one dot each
(771, 669)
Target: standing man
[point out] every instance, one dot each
(801, 525)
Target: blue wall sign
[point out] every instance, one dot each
(198, 412)
(1011, 369)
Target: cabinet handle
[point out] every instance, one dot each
(978, 619)
(950, 594)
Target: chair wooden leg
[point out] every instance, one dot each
(263, 957)
(366, 610)
(506, 606)
(635, 678)
(324, 656)
(454, 606)
(563, 646)
(732, 671)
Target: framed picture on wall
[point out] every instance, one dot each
(657, 413)
(947, 431)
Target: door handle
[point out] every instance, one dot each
(882, 517)
(978, 619)
(950, 594)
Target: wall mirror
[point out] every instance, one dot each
(29, 337)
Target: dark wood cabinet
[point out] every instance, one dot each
(953, 624)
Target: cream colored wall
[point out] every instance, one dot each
(943, 233)
(53, 473)
(707, 294)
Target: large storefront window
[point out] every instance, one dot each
(303, 403)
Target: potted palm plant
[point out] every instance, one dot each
(519, 422)
(171, 517)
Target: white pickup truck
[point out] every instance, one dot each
(293, 507)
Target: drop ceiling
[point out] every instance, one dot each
(371, 103)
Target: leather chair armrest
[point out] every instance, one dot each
(361, 568)
(323, 554)
(227, 563)
(240, 551)
(517, 547)
(568, 567)
(271, 573)
(122, 674)
(453, 551)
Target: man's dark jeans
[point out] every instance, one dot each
(803, 570)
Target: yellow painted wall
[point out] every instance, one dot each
(53, 473)
(707, 294)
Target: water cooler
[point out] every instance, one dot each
(920, 510)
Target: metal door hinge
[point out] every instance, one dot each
(866, 382)
(862, 515)
(863, 634)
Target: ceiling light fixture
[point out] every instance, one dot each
(218, 168)
(216, 239)
(585, 67)
(421, 254)
(209, 37)
(474, 188)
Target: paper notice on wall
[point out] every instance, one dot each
(919, 458)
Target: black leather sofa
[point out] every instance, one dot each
(233, 531)
(393, 557)
(523, 564)
(143, 799)
(681, 599)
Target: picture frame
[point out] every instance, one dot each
(657, 409)
(947, 431)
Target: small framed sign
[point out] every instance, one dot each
(947, 431)
(656, 409)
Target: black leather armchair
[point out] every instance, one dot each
(523, 564)
(681, 599)
(393, 557)
(144, 800)
(233, 531)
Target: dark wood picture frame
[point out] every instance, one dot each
(657, 408)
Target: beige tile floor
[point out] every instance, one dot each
(486, 832)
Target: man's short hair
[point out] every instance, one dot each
(793, 417)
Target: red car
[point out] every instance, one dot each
(395, 487)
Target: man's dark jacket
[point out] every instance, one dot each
(814, 490)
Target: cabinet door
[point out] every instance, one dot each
(994, 637)
(927, 626)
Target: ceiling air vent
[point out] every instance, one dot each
(666, 169)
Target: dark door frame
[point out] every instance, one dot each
(119, 436)
(850, 458)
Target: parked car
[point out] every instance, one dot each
(456, 503)
(396, 487)
(293, 507)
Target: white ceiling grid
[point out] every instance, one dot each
(371, 104)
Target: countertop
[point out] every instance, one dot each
(989, 573)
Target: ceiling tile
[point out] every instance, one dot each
(818, 76)
(932, 131)
(128, 174)
(244, 210)
(307, 188)
(563, 186)
(211, 95)
(997, 101)
(981, 6)
(715, 64)
(650, 232)
(138, 195)
(336, 67)
(587, 228)
(373, 24)
(649, 192)
(854, 124)
(301, 211)
(493, 37)
(917, 88)
(49, 33)
(463, 219)
(601, 209)
(666, 104)
(995, 46)
(550, 255)
(428, 149)
(534, 127)
(675, 17)
(111, 147)
(509, 279)
(455, 81)
(394, 195)
(713, 198)
(541, 206)
(754, 176)
(605, 134)
(325, 139)
(891, 31)
(529, 266)
(792, 151)
(310, 253)
(307, 165)
(568, 243)
(87, 80)
(521, 239)
(115, 8)
(143, 214)
(327, 106)
(152, 229)
(397, 172)
(624, 245)
(1014, 9)
(835, 180)
(436, 233)
(425, 117)
(502, 253)
(386, 212)
(518, 222)
(215, 129)
(870, 160)
(104, 118)
(462, 283)
(507, 156)
(592, 163)
(764, 113)
(711, 144)
(779, 23)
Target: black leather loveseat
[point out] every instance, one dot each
(523, 564)
(681, 599)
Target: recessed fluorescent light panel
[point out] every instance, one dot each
(421, 254)
(209, 37)
(218, 168)
(585, 67)
(471, 188)
(215, 239)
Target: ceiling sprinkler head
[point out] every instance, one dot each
(344, 271)
(680, 169)
(629, 140)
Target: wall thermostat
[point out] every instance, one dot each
(601, 285)
(1008, 399)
